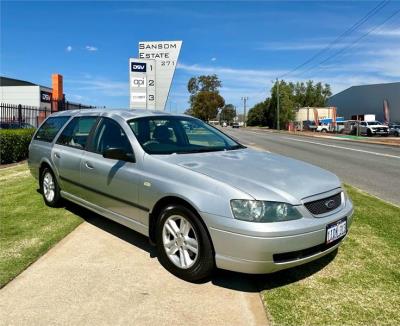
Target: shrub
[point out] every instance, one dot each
(14, 144)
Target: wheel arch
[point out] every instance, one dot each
(168, 201)
(44, 164)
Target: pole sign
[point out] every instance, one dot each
(166, 54)
(141, 75)
(152, 73)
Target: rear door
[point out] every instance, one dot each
(109, 183)
(68, 150)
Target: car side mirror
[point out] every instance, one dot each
(119, 154)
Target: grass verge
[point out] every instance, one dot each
(358, 285)
(28, 228)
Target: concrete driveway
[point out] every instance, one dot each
(103, 274)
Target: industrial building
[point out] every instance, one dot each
(21, 92)
(15, 91)
(369, 99)
(26, 103)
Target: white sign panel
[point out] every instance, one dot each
(139, 82)
(141, 74)
(165, 54)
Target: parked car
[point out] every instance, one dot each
(322, 128)
(394, 129)
(309, 125)
(235, 125)
(339, 127)
(350, 127)
(202, 198)
(371, 128)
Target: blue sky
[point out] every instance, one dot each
(247, 44)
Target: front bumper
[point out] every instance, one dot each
(380, 132)
(249, 251)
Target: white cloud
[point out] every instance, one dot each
(387, 32)
(91, 48)
(308, 45)
(195, 68)
(100, 85)
(213, 59)
(69, 48)
(256, 83)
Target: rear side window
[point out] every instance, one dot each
(77, 132)
(50, 128)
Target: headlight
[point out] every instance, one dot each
(263, 211)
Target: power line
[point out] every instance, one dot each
(351, 44)
(354, 27)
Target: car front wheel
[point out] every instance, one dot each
(49, 188)
(183, 245)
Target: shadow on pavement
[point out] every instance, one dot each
(221, 278)
(113, 228)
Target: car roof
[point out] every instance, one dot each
(126, 114)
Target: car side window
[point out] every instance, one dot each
(109, 134)
(50, 128)
(76, 133)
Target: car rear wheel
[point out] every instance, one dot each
(183, 245)
(49, 188)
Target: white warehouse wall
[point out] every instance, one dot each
(24, 95)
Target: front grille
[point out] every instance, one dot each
(300, 254)
(325, 205)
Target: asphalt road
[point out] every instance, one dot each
(372, 168)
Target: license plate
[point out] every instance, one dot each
(336, 230)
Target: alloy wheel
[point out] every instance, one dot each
(180, 241)
(48, 187)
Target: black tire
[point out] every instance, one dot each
(204, 264)
(324, 130)
(55, 201)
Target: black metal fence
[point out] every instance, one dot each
(66, 105)
(21, 116)
(14, 116)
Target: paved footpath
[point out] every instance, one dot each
(106, 276)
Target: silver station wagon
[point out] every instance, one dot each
(201, 197)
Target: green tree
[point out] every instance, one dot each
(286, 104)
(227, 113)
(308, 94)
(258, 114)
(205, 100)
(295, 95)
(204, 83)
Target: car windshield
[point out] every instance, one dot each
(374, 123)
(180, 135)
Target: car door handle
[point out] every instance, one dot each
(57, 155)
(89, 166)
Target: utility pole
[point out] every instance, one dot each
(277, 106)
(244, 99)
